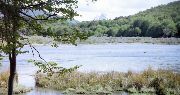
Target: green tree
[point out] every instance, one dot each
(169, 28)
(137, 30)
(122, 30)
(100, 30)
(142, 24)
(144, 27)
(30, 14)
(133, 32)
(178, 29)
(137, 23)
(112, 31)
(155, 31)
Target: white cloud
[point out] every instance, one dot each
(114, 8)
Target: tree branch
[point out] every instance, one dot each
(34, 18)
(34, 5)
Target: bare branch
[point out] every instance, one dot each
(34, 18)
(34, 5)
(32, 47)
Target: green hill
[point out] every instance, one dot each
(160, 21)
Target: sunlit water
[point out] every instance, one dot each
(101, 57)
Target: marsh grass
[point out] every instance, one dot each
(148, 81)
(97, 40)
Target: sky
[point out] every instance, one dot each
(110, 9)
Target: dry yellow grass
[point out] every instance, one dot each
(147, 81)
(4, 79)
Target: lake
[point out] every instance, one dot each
(99, 58)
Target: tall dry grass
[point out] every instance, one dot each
(4, 79)
(148, 81)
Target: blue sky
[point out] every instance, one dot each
(114, 8)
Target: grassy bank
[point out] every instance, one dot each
(99, 40)
(4, 84)
(161, 82)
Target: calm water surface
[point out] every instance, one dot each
(102, 57)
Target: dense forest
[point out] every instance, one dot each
(160, 21)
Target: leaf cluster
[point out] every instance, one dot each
(51, 68)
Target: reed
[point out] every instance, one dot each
(148, 81)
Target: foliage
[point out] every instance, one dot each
(21, 14)
(51, 68)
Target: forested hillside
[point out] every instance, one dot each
(160, 21)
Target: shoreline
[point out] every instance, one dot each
(36, 40)
(145, 40)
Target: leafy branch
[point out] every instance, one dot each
(51, 68)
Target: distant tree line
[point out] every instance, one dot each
(161, 21)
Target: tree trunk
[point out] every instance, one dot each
(12, 58)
